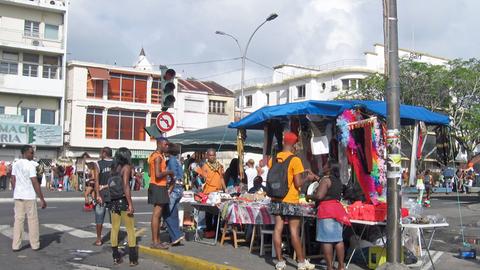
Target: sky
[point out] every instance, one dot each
(306, 32)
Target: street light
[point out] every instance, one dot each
(244, 56)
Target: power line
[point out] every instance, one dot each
(219, 74)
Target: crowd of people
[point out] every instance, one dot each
(109, 181)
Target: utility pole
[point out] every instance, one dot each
(394, 169)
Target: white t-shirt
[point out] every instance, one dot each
(23, 170)
(264, 174)
(251, 173)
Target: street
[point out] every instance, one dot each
(68, 234)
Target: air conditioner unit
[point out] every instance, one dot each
(36, 42)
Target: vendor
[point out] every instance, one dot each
(288, 207)
(331, 215)
(212, 173)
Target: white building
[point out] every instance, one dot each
(33, 38)
(293, 83)
(110, 106)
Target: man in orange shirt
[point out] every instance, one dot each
(3, 175)
(288, 207)
(157, 191)
(212, 172)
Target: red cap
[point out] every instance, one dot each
(290, 138)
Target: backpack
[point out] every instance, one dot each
(277, 178)
(114, 189)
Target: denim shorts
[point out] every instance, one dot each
(100, 211)
(329, 230)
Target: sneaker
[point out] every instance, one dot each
(305, 265)
(280, 265)
(178, 241)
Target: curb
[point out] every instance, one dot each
(183, 261)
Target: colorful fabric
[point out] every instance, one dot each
(237, 212)
(333, 209)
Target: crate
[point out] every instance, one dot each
(378, 255)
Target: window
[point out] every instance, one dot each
(2, 109)
(129, 88)
(333, 88)
(94, 88)
(156, 92)
(28, 115)
(31, 29)
(50, 67)
(301, 91)
(268, 98)
(126, 125)
(47, 117)
(93, 123)
(248, 101)
(349, 84)
(51, 31)
(9, 63)
(216, 106)
(30, 65)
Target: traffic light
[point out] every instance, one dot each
(168, 89)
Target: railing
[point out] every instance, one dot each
(44, 3)
(17, 36)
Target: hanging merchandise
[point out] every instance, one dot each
(365, 151)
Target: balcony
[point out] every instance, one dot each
(47, 5)
(15, 38)
(37, 86)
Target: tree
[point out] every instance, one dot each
(453, 89)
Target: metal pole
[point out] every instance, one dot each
(413, 157)
(393, 139)
(244, 56)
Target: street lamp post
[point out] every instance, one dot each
(244, 56)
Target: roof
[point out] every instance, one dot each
(412, 51)
(210, 87)
(119, 69)
(408, 114)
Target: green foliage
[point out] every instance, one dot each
(453, 89)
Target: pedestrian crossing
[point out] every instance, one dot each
(86, 232)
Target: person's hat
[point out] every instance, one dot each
(290, 138)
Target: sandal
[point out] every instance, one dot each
(160, 246)
(98, 243)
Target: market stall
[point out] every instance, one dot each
(354, 134)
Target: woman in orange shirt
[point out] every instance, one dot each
(288, 207)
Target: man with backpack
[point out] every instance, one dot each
(284, 181)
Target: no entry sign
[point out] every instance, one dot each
(165, 121)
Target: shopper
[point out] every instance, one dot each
(121, 207)
(157, 191)
(250, 173)
(288, 207)
(104, 166)
(175, 191)
(331, 215)
(3, 175)
(26, 188)
(89, 193)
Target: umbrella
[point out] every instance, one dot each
(220, 138)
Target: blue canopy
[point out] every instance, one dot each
(408, 114)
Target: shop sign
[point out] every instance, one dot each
(18, 134)
(11, 133)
